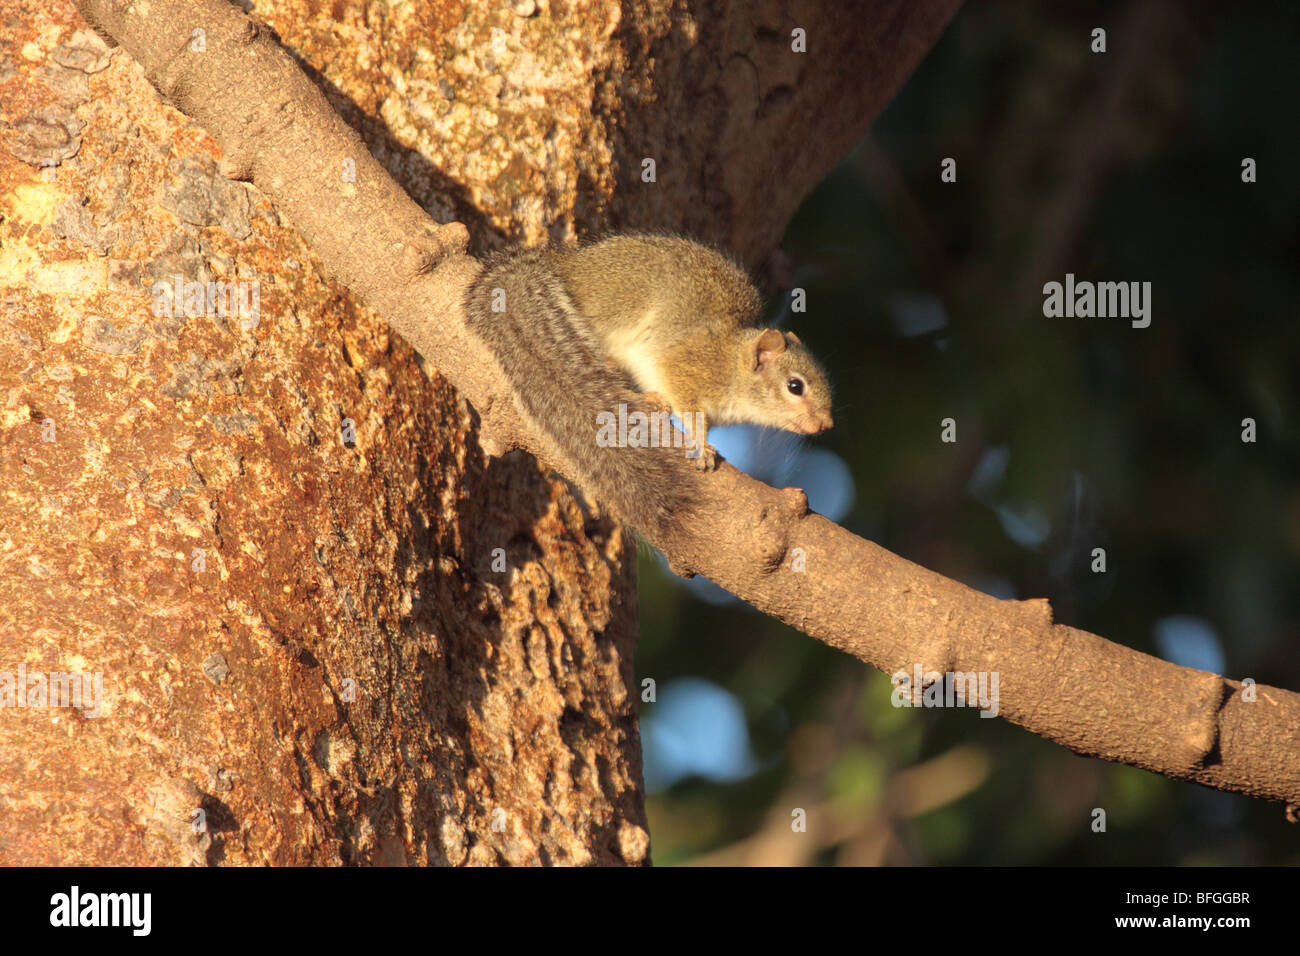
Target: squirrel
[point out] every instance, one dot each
(580, 331)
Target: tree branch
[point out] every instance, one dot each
(1077, 689)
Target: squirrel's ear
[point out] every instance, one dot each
(769, 345)
(793, 338)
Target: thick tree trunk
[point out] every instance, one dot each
(328, 628)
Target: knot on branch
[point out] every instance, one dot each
(429, 249)
(771, 535)
(1039, 611)
(1202, 737)
(679, 567)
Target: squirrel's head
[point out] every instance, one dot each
(790, 389)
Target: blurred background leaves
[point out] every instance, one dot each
(925, 302)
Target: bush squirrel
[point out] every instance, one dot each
(576, 329)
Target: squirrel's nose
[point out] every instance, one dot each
(815, 424)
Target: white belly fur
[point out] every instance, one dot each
(627, 348)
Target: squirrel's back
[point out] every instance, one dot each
(615, 281)
(562, 380)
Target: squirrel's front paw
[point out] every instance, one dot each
(706, 459)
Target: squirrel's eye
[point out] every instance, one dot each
(795, 386)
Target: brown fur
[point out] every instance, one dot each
(694, 315)
(582, 327)
(562, 380)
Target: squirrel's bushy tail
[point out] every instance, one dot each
(563, 381)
